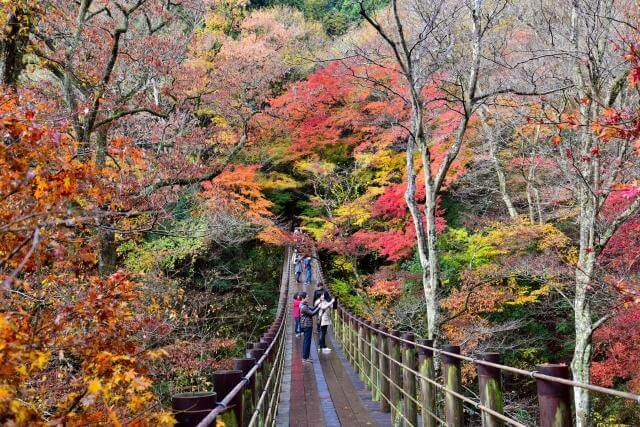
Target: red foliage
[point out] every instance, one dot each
(392, 244)
(617, 350)
(331, 107)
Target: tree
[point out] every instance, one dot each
(419, 38)
(75, 346)
(596, 126)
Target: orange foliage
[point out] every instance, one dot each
(72, 344)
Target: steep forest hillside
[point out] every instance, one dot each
(468, 171)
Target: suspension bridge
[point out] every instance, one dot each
(373, 377)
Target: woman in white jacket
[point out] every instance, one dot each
(324, 315)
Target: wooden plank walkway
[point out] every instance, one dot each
(325, 393)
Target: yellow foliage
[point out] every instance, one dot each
(357, 212)
(165, 419)
(278, 181)
(94, 386)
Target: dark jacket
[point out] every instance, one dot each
(306, 315)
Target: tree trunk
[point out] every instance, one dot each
(12, 49)
(581, 363)
(423, 249)
(432, 285)
(493, 148)
(108, 256)
(533, 197)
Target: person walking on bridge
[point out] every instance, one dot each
(307, 270)
(306, 322)
(297, 266)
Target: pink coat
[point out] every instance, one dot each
(296, 308)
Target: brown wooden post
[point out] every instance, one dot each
(346, 335)
(263, 345)
(427, 389)
(383, 345)
(223, 383)
(490, 383)
(191, 408)
(453, 382)
(395, 383)
(361, 346)
(339, 325)
(554, 398)
(248, 349)
(375, 364)
(366, 355)
(354, 342)
(336, 323)
(409, 380)
(353, 333)
(343, 327)
(248, 397)
(257, 354)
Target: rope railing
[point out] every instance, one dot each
(404, 380)
(249, 393)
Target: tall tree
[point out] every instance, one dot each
(429, 42)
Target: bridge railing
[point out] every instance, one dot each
(247, 395)
(400, 372)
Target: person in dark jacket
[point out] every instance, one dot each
(306, 323)
(320, 291)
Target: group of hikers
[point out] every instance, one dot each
(306, 308)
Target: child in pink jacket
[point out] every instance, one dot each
(297, 299)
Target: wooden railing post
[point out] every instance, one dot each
(383, 345)
(361, 360)
(191, 408)
(409, 380)
(343, 328)
(366, 354)
(554, 398)
(336, 323)
(257, 353)
(353, 332)
(427, 389)
(375, 364)
(452, 381)
(490, 383)
(395, 376)
(249, 348)
(223, 383)
(249, 395)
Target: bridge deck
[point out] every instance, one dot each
(327, 392)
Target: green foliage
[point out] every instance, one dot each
(336, 16)
(461, 250)
(165, 252)
(348, 295)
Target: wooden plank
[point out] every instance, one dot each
(358, 389)
(305, 405)
(351, 411)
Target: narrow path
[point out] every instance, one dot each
(300, 404)
(327, 392)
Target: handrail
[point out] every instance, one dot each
(280, 323)
(363, 353)
(532, 374)
(225, 402)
